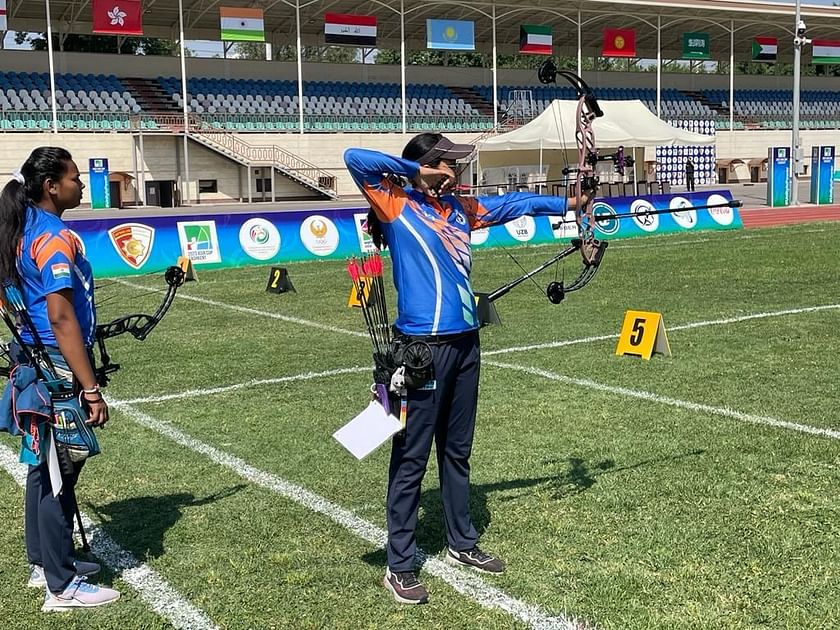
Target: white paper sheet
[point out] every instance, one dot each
(367, 431)
(55, 470)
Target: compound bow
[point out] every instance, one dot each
(586, 183)
(138, 325)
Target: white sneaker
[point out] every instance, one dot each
(37, 578)
(79, 594)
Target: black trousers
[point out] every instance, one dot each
(49, 525)
(447, 414)
(689, 182)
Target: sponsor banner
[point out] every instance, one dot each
(119, 247)
(100, 185)
(778, 176)
(822, 169)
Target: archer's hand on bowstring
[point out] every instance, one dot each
(434, 182)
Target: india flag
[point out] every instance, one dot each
(240, 24)
(535, 39)
(825, 51)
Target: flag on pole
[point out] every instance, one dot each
(450, 34)
(350, 30)
(241, 24)
(118, 17)
(4, 25)
(765, 48)
(696, 46)
(825, 51)
(619, 42)
(535, 39)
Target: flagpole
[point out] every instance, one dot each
(52, 69)
(796, 146)
(299, 69)
(186, 191)
(403, 105)
(495, 76)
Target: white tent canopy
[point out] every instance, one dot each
(624, 123)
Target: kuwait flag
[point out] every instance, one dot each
(240, 24)
(535, 39)
(765, 48)
(825, 51)
(350, 30)
(117, 17)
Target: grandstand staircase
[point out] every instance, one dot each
(256, 155)
(150, 95)
(715, 107)
(474, 99)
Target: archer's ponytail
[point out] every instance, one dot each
(13, 204)
(42, 164)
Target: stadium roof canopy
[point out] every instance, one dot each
(720, 18)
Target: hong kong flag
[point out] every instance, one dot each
(118, 17)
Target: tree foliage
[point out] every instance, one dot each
(99, 44)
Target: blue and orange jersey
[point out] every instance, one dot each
(51, 259)
(429, 239)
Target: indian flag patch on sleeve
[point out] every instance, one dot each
(61, 271)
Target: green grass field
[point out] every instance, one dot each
(694, 491)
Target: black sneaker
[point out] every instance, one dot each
(476, 559)
(405, 587)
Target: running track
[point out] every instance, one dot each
(768, 217)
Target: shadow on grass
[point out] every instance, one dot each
(142, 522)
(579, 476)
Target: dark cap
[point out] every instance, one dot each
(445, 149)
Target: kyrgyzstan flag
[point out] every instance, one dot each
(118, 17)
(619, 42)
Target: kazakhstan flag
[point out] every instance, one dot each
(450, 34)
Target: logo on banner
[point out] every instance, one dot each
(365, 240)
(721, 216)
(133, 242)
(479, 236)
(319, 235)
(684, 218)
(566, 225)
(199, 242)
(259, 239)
(522, 229)
(605, 218)
(639, 210)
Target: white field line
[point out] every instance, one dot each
(673, 402)
(244, 309)
(468, 584)
(700, 324)
(151, 587)
(194, 393)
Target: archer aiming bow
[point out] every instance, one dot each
(584, 187)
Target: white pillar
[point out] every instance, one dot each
(796, 145)
(299, 70)
(580, 51)
(731, 75)
(185, 196)
(658, 66)
(402, 67)
(142, 167)
(495, 75)
(52, 70)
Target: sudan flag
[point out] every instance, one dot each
(535, 39)
(765, 48)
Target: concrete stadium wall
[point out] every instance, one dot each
(164, 156)
(140, 66)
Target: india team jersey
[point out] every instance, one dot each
(429, 240)
(50, 260)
